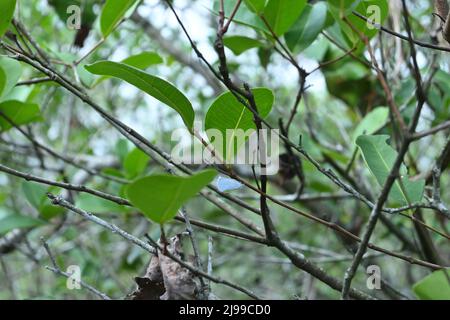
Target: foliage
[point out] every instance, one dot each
(89, 118)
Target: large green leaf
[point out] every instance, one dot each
(16, 221)
(112, 12)
(380, 158)
(141, 61)
(7, 8)
(19, 113)
(154, 86)
(307, 27)
(282, 14)
(228, 115)
(240, 44)
(12, 71)
(160, 197)
(435, 286)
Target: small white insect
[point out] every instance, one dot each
(227, 184)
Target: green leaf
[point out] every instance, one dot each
(7, 8)
(240, 44)
(3, 80)
(282, 14)
(12, 71)
(435, 286)
(135, 163)
(141, 61)
(380, 158)
(35, 193)
(154, 86)
(95, 204)
(257, 6)
(16, 221)
(112, 12)
(19, 113)
(228, 115)
(160, 197)
(372, 122)
(49, 211)
(307, 27)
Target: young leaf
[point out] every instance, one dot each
(160, 197)
(240, 44)
(12, 71)
(19, 113)
(228, 115)
(7, 8)
(112, 12)
(156, 87)
(16, 221)
(380, 158)
(435, 286)
(281, 14)
(307, 27)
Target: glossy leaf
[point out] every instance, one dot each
(7, 8)
(240, 44)
(307, 27)
(16, 221)
(227, 115)
(141, 61)
(435, 286)
(380, 158)
(113, 11)
(19, 113)
(156, 87)
(282, 14)
(160, 197)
